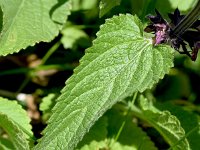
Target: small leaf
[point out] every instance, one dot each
(78, 5)
(166, 124)
(106, 5)
(27, 22)
(16, 135)
(120, 62)
(47, 103)
(16, 114)
(73, 36)
(46, 106)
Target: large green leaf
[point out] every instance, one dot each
(26, 22)
(120, 62)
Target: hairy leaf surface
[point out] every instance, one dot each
(189, 121)
(166, 124)
(26, 22)
(120, 62)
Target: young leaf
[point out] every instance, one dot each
(78, 5)
(16, 114)
(106, 5)
(166, 124)
(46, 105)
(72, 37)
(26, 22)
(120, 62)
(16, 135)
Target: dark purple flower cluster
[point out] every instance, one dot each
(163, 31)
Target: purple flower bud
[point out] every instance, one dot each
(164, 33)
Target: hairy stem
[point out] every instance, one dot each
(188, 20)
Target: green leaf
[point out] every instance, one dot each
(95, 145)
(46, 106)
(47, 103)
(170, 5)
(189, 122)
(1, 19)
(17, 115)
(6, 144)
(27, 22)
(73, 36)
(84, 5)
(106, 5)
(131, 135)
(183, 5)
(108, 126)
(166, 124)
(15, 134)
(110, 144)
(120, 62)
(98, 132)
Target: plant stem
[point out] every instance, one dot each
(124, 122)
(24, 83)
(50, 52)
(187, 21)
(38, 68)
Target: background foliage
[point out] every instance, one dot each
(114, 99)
